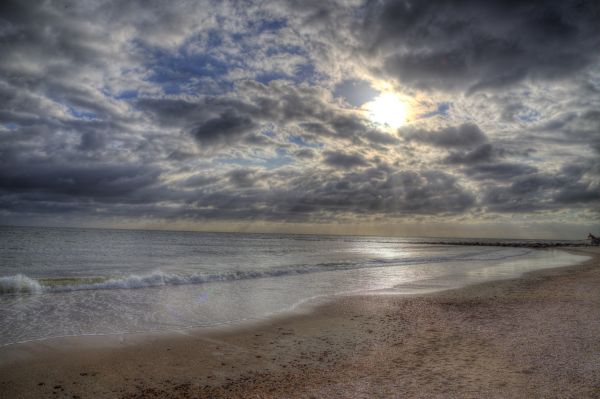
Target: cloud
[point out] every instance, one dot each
(97, 182)
(305, 153)
(223, 129)
(578, 193)
(483, 153)
(344, 161)
(381, 191)
(242, 177)
(499, 171)
(190, 111)
(543, 191)
(465, 135)
(220, 120)
(199, 180)
(470, 45)
(92, 140)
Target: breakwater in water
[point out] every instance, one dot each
(513, 244)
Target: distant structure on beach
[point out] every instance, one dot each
(593, 239)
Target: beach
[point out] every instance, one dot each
(534, 336)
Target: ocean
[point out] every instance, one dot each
(57, 282)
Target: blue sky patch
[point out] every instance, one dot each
(442, 110)
(285, 49)
(82, 114)
(528, 115)
(267, 77)
(127, 95)
(267, 25)
(299, 140)
(280, 160)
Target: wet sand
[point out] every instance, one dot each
(536, 336)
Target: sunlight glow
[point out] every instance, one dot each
(387, 109)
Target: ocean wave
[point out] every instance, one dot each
(159, 279)
(21, 284)
(18, 284)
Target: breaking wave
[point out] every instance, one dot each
(21, 284)
(18, 284)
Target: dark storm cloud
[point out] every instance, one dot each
(377, 137)
(581, 184)
(223, 129)
(172, 111)
(574, 128)
(305, 153)
(48, 51)
(498, 199)
(345, 125)
(92, 140)
(544, 191)
(465, 135)
(471, 152)
(98, 182)
(499, 171)
(199, 181)
(259, 140)
(578, 193)
(243, 177)
(30, 30)
(469, 44)
(221, 120)
(343, 161)
(535, 183)
(483, 153)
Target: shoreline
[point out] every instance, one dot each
(361, 346)
(305, 305)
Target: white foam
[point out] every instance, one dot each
(19, 283)
(159, 279)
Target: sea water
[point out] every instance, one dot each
(63, 281)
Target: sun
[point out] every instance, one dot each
(387, 109)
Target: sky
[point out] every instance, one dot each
(416, 118)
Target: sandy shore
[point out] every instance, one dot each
(537, 336)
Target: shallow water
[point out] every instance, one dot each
(60, 282)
